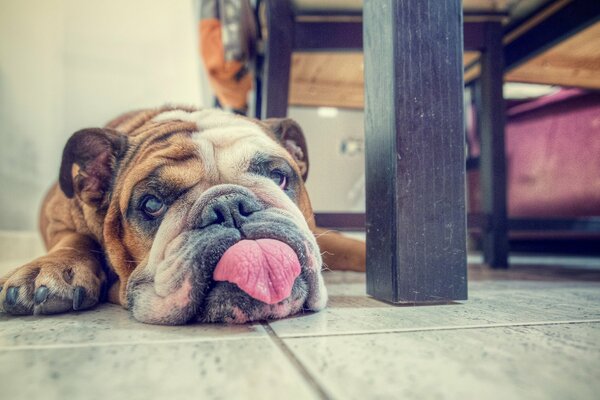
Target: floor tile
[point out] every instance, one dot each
(569, 261)
(350, 310)
(226, 369)
(541, 362)
(108, 324)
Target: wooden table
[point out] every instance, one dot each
(415, 167)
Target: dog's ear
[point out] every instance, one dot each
(88, 163)
(290, 135)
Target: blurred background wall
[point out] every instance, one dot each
(335, 139)
(69, 64)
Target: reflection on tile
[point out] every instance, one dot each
(108, 324)
(227, 369)
(543, 362)
(350, 310)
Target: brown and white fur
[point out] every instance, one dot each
(101, 248)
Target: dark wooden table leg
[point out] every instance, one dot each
(277, 59)
(491, 115)
(415, 150)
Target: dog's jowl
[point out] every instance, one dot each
(181, 215)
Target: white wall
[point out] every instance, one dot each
(69, 64)
(336, 177)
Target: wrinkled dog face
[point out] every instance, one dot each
(216, 221)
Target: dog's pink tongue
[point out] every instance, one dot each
(265, 269)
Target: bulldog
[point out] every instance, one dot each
(180, 215)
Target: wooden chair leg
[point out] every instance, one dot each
(415, 160)
(277, 59)
(491, 116)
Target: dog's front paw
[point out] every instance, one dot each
(52, 284)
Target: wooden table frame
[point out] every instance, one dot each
(551, 24)
(416, 249)
(415, 167)
(414, 128)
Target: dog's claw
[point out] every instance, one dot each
(11, 295)
(78, 297)
(41, 294)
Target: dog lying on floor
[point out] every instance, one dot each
(182, 215)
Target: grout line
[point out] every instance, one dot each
(128, 343)
(444, 328)
(295, 362)
(279, 342)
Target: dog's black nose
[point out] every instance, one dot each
(229, 210)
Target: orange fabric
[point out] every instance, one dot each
(230, 91)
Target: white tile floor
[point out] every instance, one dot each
(514, 339)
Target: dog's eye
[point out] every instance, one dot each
(279, 178)
(153, 206)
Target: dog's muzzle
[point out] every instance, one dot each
(265, 269)
(241, 260)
